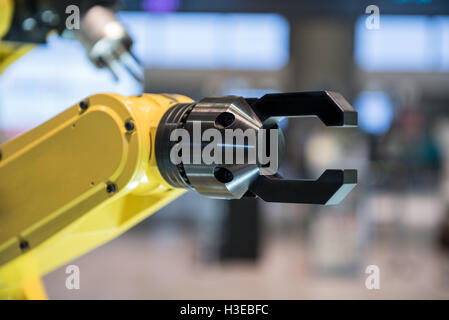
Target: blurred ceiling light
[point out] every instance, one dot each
(375, 110)
(444, 23)
(209, 40)
(403, 44)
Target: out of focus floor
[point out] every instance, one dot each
(140, 265)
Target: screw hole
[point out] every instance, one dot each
(223, 175)
(224, 119)
(111, 188)
(129, 126)
(84, 105)
(24, 245)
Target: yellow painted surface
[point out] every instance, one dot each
(9, 51)
(53, 200)
(6, 12)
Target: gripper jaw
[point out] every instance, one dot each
(330, 107)
(334, 111)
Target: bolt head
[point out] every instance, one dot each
(111, 188)
(129, 126)
(223, 175)
(224, 119)
(84, 105)
(24, 245)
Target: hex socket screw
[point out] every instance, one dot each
(84, 105)
(130, 126)
(111, 188)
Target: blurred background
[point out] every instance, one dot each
(397, 218)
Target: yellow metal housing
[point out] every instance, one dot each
(57, 184)
(6, 12)
(9, 51)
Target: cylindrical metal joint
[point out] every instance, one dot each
(228, 124)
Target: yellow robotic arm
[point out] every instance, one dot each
(95, 170)
(78, 181)
(9, 51)
(105, 164)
